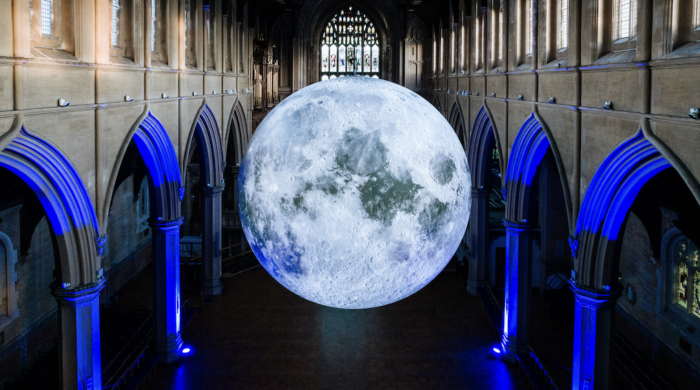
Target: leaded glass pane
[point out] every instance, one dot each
(341, 59)
(334, 58)
(682, 284)
(324, 59)
(115, 22)
(351, 58)
(47, 17)
(153, 25)
(324, 77)
(349, 38)
(375, 58)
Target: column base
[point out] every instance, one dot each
(212, 287)
(170, 351)
(510, 349)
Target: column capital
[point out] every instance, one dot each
(79, 294)
(480, 192)
(165, 224)
(516, 227)
(594, 298)
(212, 190)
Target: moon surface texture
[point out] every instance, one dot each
(354, 193)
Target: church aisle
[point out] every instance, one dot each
(258, 335)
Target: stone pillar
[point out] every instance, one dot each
(516, 309)
(79, 319)
(211, 240)
(592, 338)
(166, 302)
(479, 243)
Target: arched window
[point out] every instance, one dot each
(153, 25)
(8, 278)
(687, 275)
(115, 22)
(529, 33)
(626, 19)
(563, 23)
(349, 43)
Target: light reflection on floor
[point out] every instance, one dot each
(258, 335)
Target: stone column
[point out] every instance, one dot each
(211, 240)
(592, 338)
(516, 309)
(79, 319)
(166, 302)
(479, 243)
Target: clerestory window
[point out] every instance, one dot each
(563, 23)
(349, 44)
(625, 19)
(115, 22)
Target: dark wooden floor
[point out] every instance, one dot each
(258, 335)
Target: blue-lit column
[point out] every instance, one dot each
(592, 338)
(211, 240)
(479, 240)
(79, 319)
(166, 304)
(516, 308)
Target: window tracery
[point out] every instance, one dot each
(626, 19)
(349, 43)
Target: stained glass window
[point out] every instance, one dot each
(685, 256)
(349, 43)
(682, 284)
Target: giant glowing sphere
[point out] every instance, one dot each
(354, 192)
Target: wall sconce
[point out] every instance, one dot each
(520, 97)
(552, 100)
(65, 285)
(234, 91)
(128, 98)
(448, 91)
(458, 92)
(607, 106)
(63, 103)
(213, 92)
(246, 90)
(694, 113)
(476, 93)
(493, 95)
(195, 94)
(165, 96)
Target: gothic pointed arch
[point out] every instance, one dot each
(158, 153)
(607, 202)
(209, 148)
(531, 144)
(417, 57)
(456, 120)
(68, 206)
(237, 135)
(482, 135)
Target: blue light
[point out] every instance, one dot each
(186, 350)
(496, 350)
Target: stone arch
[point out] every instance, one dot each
(456, 120)
(437, 105)
(238, 129)
(532, 142)
(483, 132)
(606, 205)
(209, 148)
(69, 210)
(158, 153)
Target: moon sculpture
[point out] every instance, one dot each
(354, 192)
